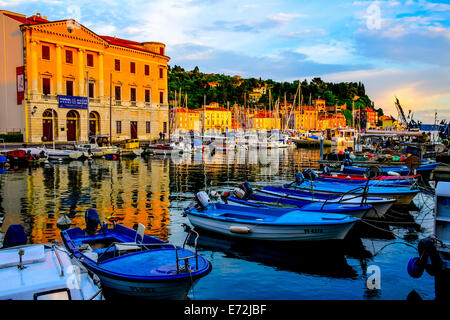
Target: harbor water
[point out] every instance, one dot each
(371, 263)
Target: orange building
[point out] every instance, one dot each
(77, 83)
(367, 116)
(331, 122)
(319, 104)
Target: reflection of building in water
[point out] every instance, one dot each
(13, 195)
(134, 189)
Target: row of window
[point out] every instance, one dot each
(90, 61)
(117, 91)
(133, 125)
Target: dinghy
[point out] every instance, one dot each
(268, 224)
(130, 263)
(41, 271)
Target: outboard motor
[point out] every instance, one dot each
(299, 178)
(247, 188)
(239, 193)
(203, 199)
(15, 236)
(310, 174)
(347, 162)
(92, 221)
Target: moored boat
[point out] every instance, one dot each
(130, 263)
(402, 194)
(41, 272)
(380, 205)
(240, 197)
(267, 224)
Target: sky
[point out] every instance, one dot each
(395, 47)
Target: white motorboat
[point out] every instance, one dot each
(44, 272)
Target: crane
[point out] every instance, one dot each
(400, 112)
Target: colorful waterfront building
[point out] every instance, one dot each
(215, 118)
(265, 120)
(64, 82)
(331, 121)
(306, 119)
(386, 121)
(188, 120)
(319, 105)
(367, 116)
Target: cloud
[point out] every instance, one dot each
(284, 66)
(422, 90)
(285, 17)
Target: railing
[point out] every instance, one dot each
(48, 97)
(147, 245)
(94, 100)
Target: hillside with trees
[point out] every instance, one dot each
(223, 88)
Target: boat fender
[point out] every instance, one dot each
(239, 229)
(203, 199)
(415, 269)
(393, 173)
(429, 256)
(224, 196)
(326, 171)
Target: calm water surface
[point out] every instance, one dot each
(154, 191)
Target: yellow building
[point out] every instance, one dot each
(386, 121)
(188, 120)
(215, 118)
(306, 119)
(265, 120)
(77, 83)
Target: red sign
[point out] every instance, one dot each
(20, 82)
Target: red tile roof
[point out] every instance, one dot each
(30, 20)
(111, 40)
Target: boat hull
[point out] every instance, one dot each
(271, 232)
(146, 290)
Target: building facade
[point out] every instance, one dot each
(215, 118)
(76, 83)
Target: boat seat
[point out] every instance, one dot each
(87, 250)
(129, 246)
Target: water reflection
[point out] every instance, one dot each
(154, 190)
(325, 259)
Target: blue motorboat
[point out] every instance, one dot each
(402, 195)
(402, 170)
(281, 203)
(130, 263)
(272, 224)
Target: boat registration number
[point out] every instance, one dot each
(308, 231)
(139, 289)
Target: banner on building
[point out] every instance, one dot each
(20, 84)
(72, 102)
